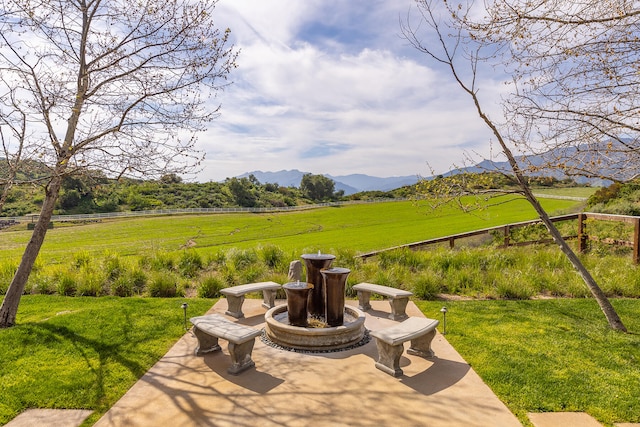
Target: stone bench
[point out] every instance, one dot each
(241, 339)
(398, 298)
(235, 296)
(390, 342)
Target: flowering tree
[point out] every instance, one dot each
(118, 86)
(454, 44)
(576, 80)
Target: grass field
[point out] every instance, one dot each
(583, 192)
(360, 227)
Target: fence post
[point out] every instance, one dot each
(452, 242)
(636, 240)
(582, 238)
(507, 234)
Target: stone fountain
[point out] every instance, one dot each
(315, 317)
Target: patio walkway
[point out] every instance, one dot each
(297, 389)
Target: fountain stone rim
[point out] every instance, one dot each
(301, 338)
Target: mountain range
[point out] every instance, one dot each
(575, 156)
(350, 184)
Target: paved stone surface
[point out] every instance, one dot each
(49, 418)
(563, 419)
(297, 389)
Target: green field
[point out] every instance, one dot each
(583, 192)
(357, 227)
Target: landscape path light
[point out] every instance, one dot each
(184, 307)
(443, 310)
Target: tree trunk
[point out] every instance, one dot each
(605, 305)
(9, 307)
(5, 194)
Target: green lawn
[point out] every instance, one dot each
(550, 355)
(361, 227)
(84, 353)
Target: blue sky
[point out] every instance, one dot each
(330, 87)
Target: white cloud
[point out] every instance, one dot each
(328, 87)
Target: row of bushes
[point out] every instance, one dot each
(484, 272)
(158, 274)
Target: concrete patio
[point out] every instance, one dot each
(301, 389)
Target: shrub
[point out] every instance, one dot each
(122, 287)
(272, 256)
(163, 286)
(404, 257)
(514, 289)
(242, 258)
(190, 263)
(7, 270)
(217, 258)
(41, 284)
(210, 286)
(138, 280)
(347, 258)
(112, 266)
(252, 274)
(158, 261)
(90, 284)
(66, 283)
(392, 277)
(81, 259)
(427, 285)
(230, 276)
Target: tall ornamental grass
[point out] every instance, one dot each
(485, 272)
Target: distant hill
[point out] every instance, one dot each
(540, 160)
(351, 184)
(615, 164)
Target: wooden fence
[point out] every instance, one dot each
(582, 235)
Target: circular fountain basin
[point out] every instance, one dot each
(279, 331)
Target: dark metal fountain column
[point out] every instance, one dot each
(297, 297)
(334, 282)
(314, 263)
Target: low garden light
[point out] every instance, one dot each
(443, 310)
(184, 307)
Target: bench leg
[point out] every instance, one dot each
(206, 342)
(389, 358)
(269, 298)
(398, 308)
(363, 298)
(241, 357)
(235, 306)
(421, 346)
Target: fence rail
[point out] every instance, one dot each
(582, 235)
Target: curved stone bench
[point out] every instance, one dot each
(235, 296)
(398, 298)
(390, 342)
(241, 339)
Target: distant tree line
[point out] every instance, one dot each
(94, 193)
